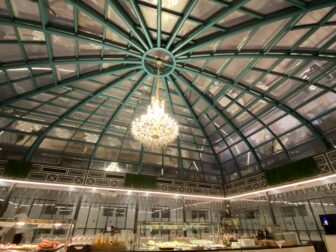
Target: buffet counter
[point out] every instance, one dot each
(301, 248)
(87, 248)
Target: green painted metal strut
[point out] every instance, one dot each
(128, 21)
(58, 30)
(105, 88)
(304, 81)
(192, 112)
(67, 61)
(177, 14)
(104, 22)
(224, 12)
(266, 110)
(261, 54)
(268, 19)
(225, 117)
(159, 22)
(268, 99)
(115, 114)
(178, 140)
(69, 81)
(180, 23)
(142, 22)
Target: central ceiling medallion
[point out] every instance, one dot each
(149, 62)
(155, 129)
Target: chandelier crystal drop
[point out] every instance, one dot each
(156, 128)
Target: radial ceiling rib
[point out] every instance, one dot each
(178, 14)
(260, 54)
(127, 20)
(44, 18)
(247, 11)
(269, 18)
(142, 22)
(226, 118)
(188, 9)
(84, 37)
(309, 26)
(257, 119)
(104, 22)
(68, 60)
(298, 3)
(69, 81)
(283, 100)
(73, 109)
(178, 140)
(306, 82)
(207, 74)
(158, 22)
(235, 5)
(115, 114)
(193, 114)
(329, 15)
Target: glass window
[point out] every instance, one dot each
(326, 122)
(63, 46)
(18, 73)
(296, 137)
(65, 71)
(268, 149)
(10, 52)
(260, 137)
(61, 13)
(23, 86)
(239, 148)
(284, 124)
(53, 144)
(36, 51)
(318, 106)
(26, 10)
(88, 25)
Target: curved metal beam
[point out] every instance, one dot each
(67, 61)
(142, 22)
(178, 140)
(211, 21)
(69, 81)
(180, 22)
(255, 23)
(310, 26)
(256, 118)
(115, 114)
(193, 114)
(40, 138)
(245, 10)
(127, 20)
(283, 100)
(95, 15)
(177, 14)
(298, 3)
(225, 117)
(158, 22)
(304, 81)
(52, 29)
(268, 99)
(260, 54)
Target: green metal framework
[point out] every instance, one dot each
(251, 83)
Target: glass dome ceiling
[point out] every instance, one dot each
(251, 83)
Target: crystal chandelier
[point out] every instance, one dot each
(156, 128)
